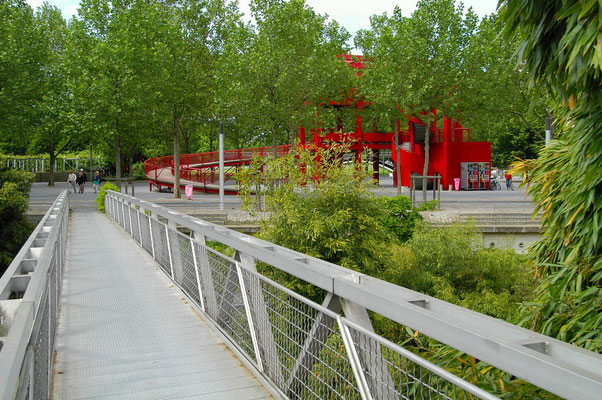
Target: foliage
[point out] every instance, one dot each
(288, 63)
(334, 218)
(100, 200)
(561, 50)
(512, 143)
(139, 172)
(14, 202)
(20, 75)
(399, 218)
(451, 264)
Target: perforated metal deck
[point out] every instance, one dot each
(125, 333)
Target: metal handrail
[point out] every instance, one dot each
(270, 325)
(26, 355)
(553, 365)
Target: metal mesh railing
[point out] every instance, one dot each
(26, 354)
(306, 350)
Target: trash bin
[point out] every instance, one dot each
(457, 183)
(188, 190)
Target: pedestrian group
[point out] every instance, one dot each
(77, 182)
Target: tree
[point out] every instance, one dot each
(501, 106)
(20, 75)
(289, 66)
(417, 64)
(50, 131)
(105, 75)
(561, 50)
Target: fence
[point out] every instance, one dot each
(309, 350)
(61, 164)
(29, 300)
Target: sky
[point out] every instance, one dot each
(352, 14)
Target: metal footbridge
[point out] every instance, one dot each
(123, 305)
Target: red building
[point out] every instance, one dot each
(449, 145)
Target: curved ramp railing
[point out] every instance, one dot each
(201, 169)
(309, 350)
(29, 301)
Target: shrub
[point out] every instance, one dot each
(100, 200)
(14, 202)
(399, 217)
(450, 264)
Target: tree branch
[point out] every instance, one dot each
(521, 116)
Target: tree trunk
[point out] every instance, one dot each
(52, 160)
(210, 142)
(117, 158)
(177, 192)
(186, 143)
(131, 163)
(427, 148)
(398, 163)
(275, 140)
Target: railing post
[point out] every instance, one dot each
(130, 217)
(211, 307)
(150, 229)
(169, 251)
(139, 227)
(198, 277)
(123, 213)
(354, 360)
(245, 300)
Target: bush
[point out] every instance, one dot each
(22, 179)
(451, 264)
(100, 200)
(14, 202)
(399, 218)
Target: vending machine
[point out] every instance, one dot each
(475, 175)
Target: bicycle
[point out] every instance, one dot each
(494, 184)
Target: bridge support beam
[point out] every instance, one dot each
(309, 354)
(204, 279)
(380, 382)
(264, 334)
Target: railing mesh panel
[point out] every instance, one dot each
(390, 375)
(160, 243)
(184, 269)
(145, 229)
(41, 352)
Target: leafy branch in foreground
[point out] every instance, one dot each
(566, 180)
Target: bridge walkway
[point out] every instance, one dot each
(124, 332)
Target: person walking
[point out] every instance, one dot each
(96, 181)
(71, 181)
(81, 180)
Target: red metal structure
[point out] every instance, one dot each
(449, 145)
(200, 169)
